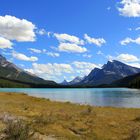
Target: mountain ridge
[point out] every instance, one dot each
(76, 80)
(10, 71)
(112, 74)
(112, 71)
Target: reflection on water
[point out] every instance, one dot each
(116, 97)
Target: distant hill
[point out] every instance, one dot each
(64, 83)
(11, 72)
(73, 82)
(112, 71)
(132, 81)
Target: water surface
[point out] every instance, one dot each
(115, 97)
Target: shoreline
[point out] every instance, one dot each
(65, 120)
(63, 100)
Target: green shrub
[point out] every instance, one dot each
(16, 130)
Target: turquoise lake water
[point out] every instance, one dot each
(115, 97)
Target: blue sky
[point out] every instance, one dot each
(59, 39)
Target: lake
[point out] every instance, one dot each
(115, 97)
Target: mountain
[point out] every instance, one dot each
(10, 71)
(76, 80)
(112, 71)
(4, 82)
(73, 82)
(132, 81)
(64, 83)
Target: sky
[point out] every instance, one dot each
(62, 39)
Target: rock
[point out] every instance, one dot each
(38, 136)
(3, 136)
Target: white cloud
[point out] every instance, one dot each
(42, 32)
(44, 51)
(134, 29)
(126, 58)
(110, 57)
(130, 40)
(126, 41)
(68, 47)
(13, 28)
(84, 68)
(137, 65)
(5, 43)
(129, 8)
(87, 55)
(23, 57)
(82, 65)
(55, 71)
(97, 41)
(52, 54)
(51, 71)
(68, 38)
(35, 50)
(138, 28)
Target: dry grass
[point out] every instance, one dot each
(72, 121)
(16, 130)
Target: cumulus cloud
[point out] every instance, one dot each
(23, 57)
(51, 71)
(13, 28)
(126, 41)
(5, 43)
(73, 48)
(97, 41)
(130, 40)
(68, 38)
(55, 71)
(84, 68)
(83, 65)
(129, 8)
(126, 58)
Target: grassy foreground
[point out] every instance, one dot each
(66, 121)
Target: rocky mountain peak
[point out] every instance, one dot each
(2, 59)
(110, 72)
